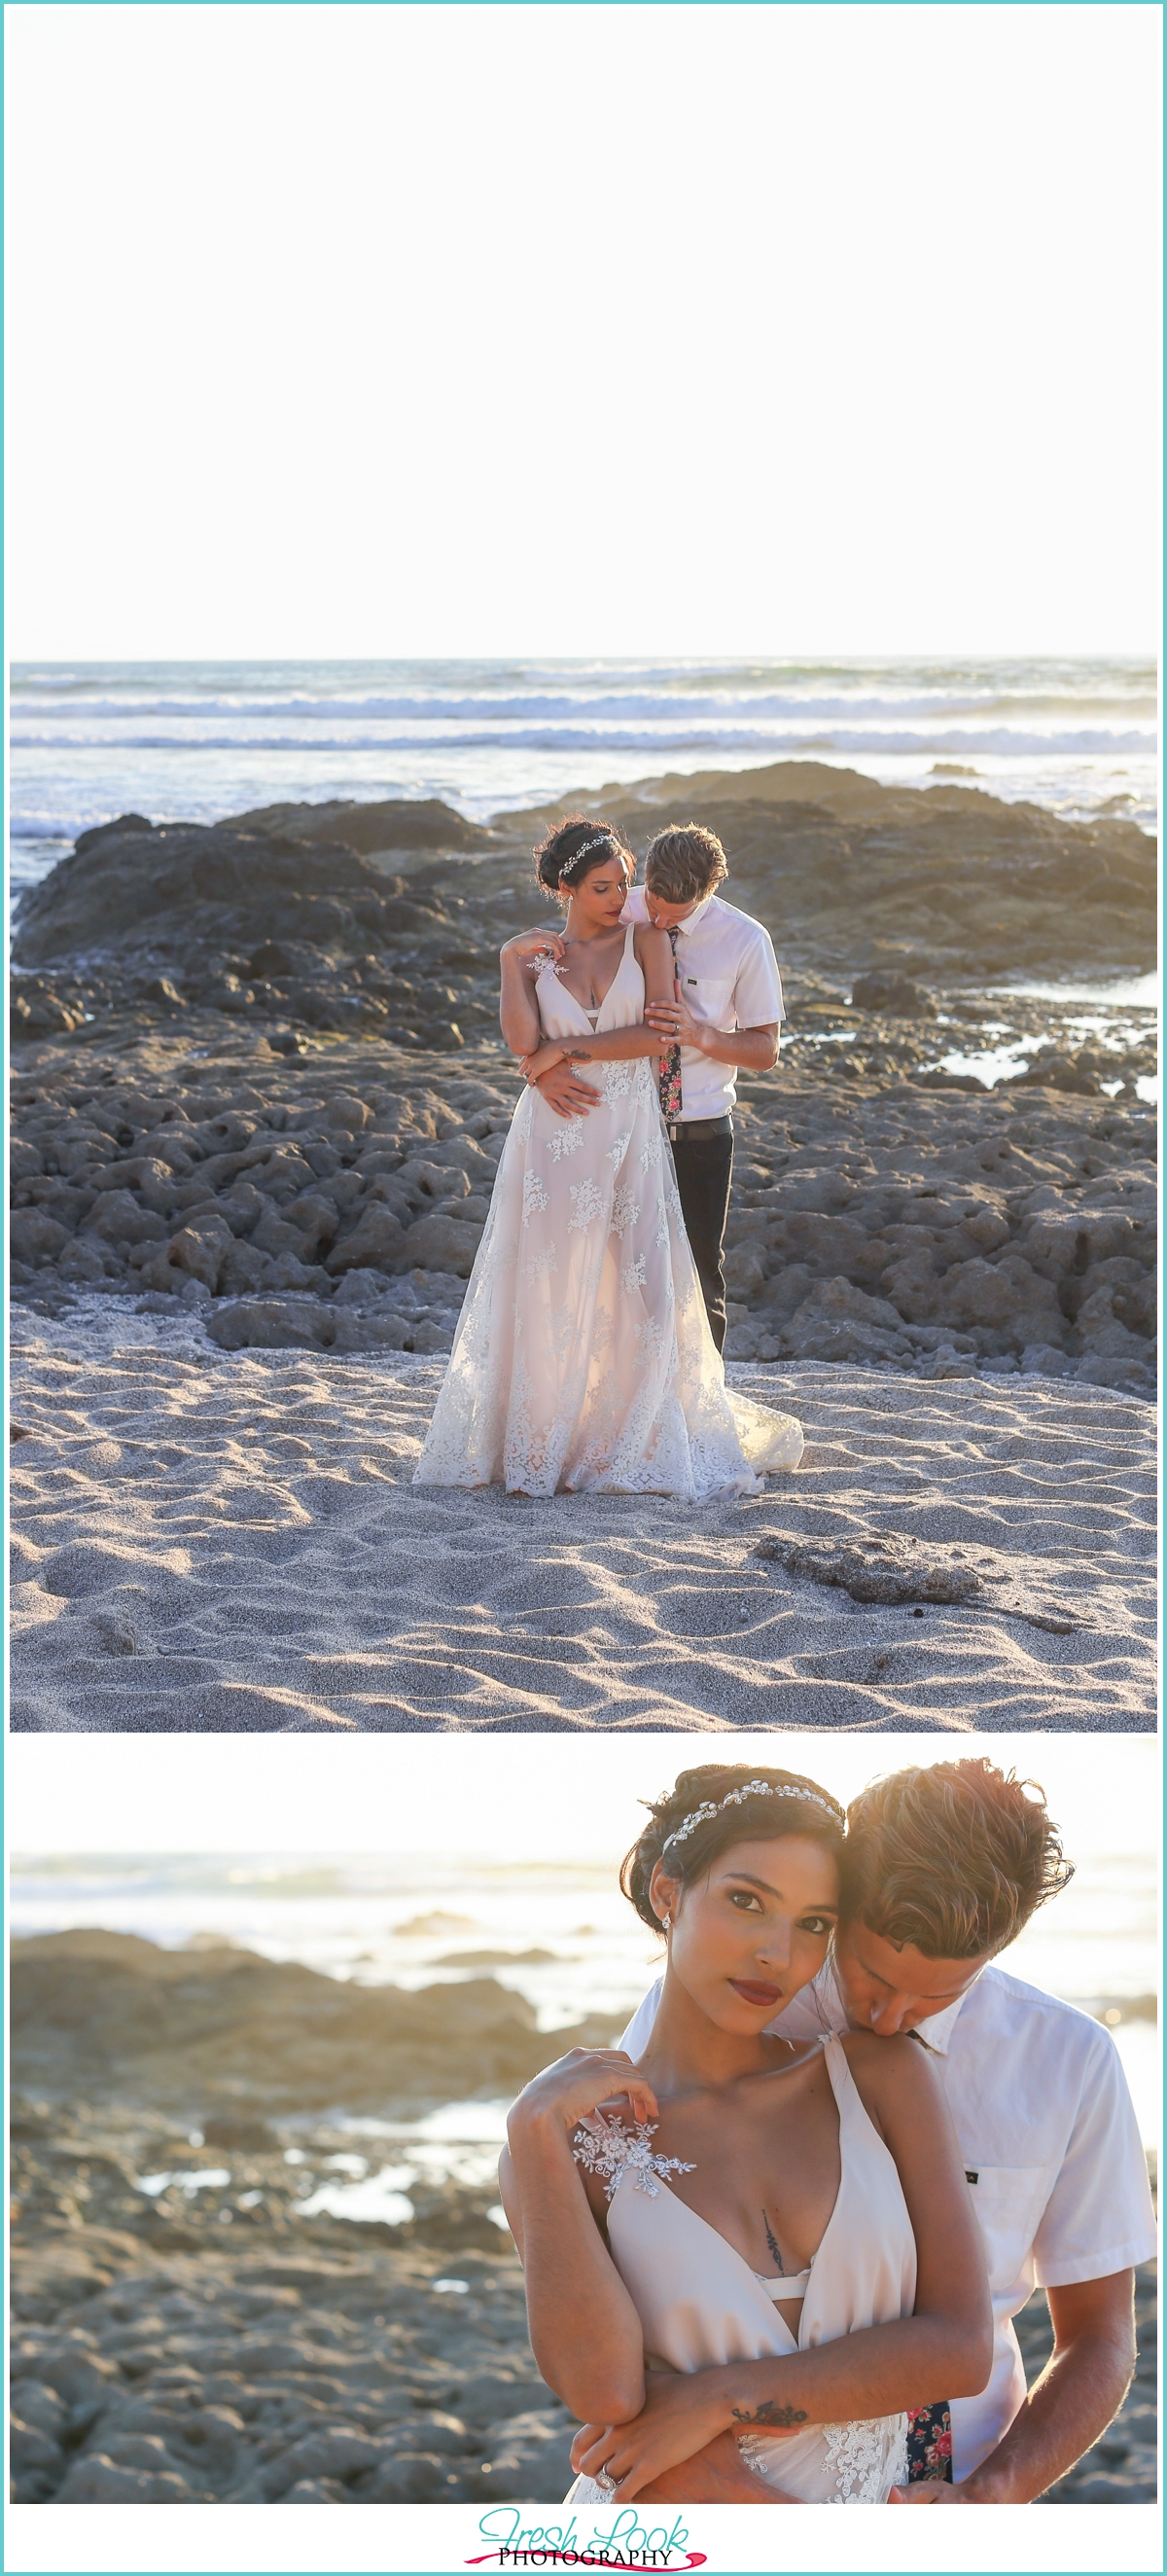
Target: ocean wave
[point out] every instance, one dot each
(1000, 740)
(618, 708)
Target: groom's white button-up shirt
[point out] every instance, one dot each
(728, 975)
(1051, 2147)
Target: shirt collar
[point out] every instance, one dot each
(934, 2034)
(693, 919)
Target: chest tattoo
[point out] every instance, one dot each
(774, 2247)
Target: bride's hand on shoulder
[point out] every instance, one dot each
(546, 945)
(586, 2080)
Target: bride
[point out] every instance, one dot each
(583, 1359)
(735, 2197)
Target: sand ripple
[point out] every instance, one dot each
(205, 1542)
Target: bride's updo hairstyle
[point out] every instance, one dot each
(569, 852)
(802, 1808)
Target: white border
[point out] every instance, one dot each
(397, 2540)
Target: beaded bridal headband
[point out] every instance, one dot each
(571, 864)
(735, 1798)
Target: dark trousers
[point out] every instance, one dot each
(704, 1167)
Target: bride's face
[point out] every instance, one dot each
(746, 1937)
(599, 899)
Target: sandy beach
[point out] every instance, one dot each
(211, 1540)
(253, 1160)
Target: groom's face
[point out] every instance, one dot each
(891, 1990)
(665, 916)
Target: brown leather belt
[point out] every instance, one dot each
(697, 1129)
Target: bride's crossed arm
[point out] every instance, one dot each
(585, 2331)
(519, 1012)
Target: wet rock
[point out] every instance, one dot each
(39, 1014)
(243, 1267)
(352, 1331)
(37, 2461)
(838, 1321)
(269, 1324)
(337, 2451)
(380, 1241)
(442, 1243)
(98, 2479)
(1059, 1073)
(119, 1218)
(83, 1264)
(36, 1239)
(1102, 1332)
(893, 993)
(1042, 1359)
(432, 1336)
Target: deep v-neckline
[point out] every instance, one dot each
(582, 1007)
(740, 2259)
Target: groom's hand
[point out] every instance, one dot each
(674, 1021)
(563, 1091)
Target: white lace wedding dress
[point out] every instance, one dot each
(700, 2304)
(583, 1359)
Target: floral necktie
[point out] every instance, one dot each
(930, 2444)
(670, 1072)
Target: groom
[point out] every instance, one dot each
(943, 1867)
(726, 1011)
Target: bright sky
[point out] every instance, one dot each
(514, 1797)
(346, 330)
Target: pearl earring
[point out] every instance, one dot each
(667, 1923)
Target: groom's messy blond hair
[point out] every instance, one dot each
(953, 1858)
(684, 863)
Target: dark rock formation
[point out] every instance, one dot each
(396, 823)
(120, 2019)
(948, 882)
(266, 1073)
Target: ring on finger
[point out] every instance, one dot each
(605, 2480)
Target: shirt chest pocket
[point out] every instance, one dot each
(1009, 2200)
(709, 997)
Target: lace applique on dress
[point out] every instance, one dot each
(607, 2149)
(535, 1198)
(625, 1212)
(588, 1203)
(616, 1152)
(567, 1139)
(867, 2458)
